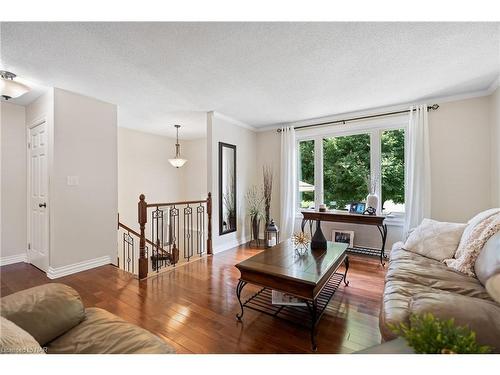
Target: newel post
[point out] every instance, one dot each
(209, 213)
(142, 218)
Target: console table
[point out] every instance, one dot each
(346, 217)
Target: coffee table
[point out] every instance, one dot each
(311, 277)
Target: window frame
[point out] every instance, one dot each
(372, 127)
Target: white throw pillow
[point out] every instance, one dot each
(471, 224)
(435, 239)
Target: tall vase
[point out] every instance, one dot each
(372, 201)
(255, 228)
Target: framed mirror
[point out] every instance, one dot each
(227, 188)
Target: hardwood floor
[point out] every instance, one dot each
(194, 306)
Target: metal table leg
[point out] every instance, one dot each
(346, 263)
(313, 309)
(239, 288)
(383, 232)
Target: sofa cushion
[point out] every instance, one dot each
(435, 239)
(493, 287)
(479, 315)
(45, 311)
(395, 304)
(15, 340)
(102, 332)
(435, 275)
(488, 261)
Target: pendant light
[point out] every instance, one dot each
(9, 88)
(177, 162)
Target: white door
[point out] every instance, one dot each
(38, 246)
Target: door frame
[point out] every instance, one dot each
(38, 121)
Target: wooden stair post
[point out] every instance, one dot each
(142, 218)
(209, 214)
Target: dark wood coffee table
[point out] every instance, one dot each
(311, 277)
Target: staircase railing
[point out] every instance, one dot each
(168, 220)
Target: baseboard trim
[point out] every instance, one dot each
(230, 245)
(56, 272)
(11, 259)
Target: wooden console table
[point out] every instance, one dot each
(346, 217)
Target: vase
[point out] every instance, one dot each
(318, 241)
(255, 228)
(372, 201)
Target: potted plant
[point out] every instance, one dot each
(427, 334)
(255, 200)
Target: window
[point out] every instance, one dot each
(337, 165)
(393, 170)
(306, 174)
(346, 169)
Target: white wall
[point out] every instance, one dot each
(460, 159)
(495, 147)
(223, 129)
(13, 181)
(83, 217)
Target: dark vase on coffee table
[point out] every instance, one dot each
(318, 241)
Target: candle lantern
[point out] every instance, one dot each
(272, 234)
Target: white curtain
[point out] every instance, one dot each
(417, 169)
(288, 181)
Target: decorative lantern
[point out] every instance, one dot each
(272, 234)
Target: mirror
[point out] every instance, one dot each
(227, 188)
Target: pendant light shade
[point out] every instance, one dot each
(9, 88)
(177, 162)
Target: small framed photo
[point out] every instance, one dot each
(344, 236)
(357, 208)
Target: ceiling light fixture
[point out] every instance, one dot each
(9, 88)
(177, 162)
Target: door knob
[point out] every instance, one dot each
(42, 204)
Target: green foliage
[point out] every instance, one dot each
(346, 165)
(427, 334)
(392, 165)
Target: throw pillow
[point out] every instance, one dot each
(493, 287)
(15, 340)
(435, 239)
(471, 224)
(466, 258)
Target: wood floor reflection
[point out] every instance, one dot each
(193, 307)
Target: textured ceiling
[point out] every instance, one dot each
(257, 73)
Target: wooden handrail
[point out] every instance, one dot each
(175, 203)
(130, 230)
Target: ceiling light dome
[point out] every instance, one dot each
(177, 162)
(9, 88)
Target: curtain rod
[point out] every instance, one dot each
(429, 108)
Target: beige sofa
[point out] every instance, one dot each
(416, 284)
(52, 316)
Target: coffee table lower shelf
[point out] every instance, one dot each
(306, 316)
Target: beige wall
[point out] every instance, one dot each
(83, 217)
(224, 130)
(460, 159)
(13, 180)
(194, 181)
(143, 168)
(495, 147)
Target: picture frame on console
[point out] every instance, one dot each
(344, 236)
